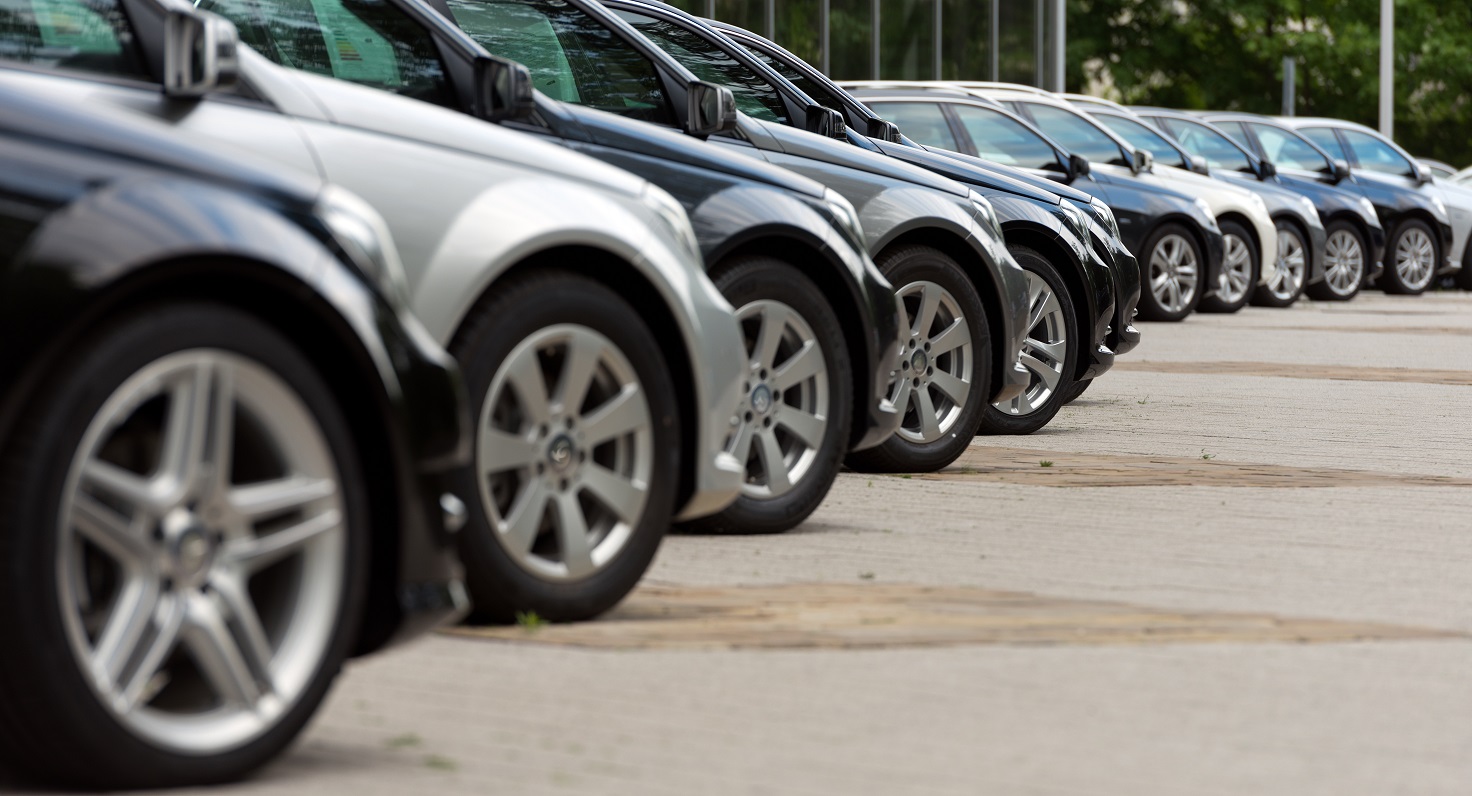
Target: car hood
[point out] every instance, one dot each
(802, 143)
(976, 172)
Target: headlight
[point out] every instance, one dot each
(364, 235)
(1105, 217)
(847, 217)
(668, 210)
(987, 214)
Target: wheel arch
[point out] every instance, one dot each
(1073, 278)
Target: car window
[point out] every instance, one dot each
(1440, 171)
(1288, 150)
(571, 56)
(1076, 134)
(1236, 131)
(1375, 155)
(755, 96)
(923, 122)
(1198, 139)
(370, 42)
(1327, 140)
(90, 36)
(819, 92)
(1142, 137)
(1002, 139)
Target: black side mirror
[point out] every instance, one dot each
(712, 109)
(826, 122)
(503, 90)
(1266, 170)
(1142, 160)
(884, 130)
(1078, 166)
(1340, 172)
(200, 53)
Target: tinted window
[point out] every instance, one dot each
(806, 85)
(1235, 130)
(1142, 137)
(1076, 134)
(923, 122)
(1002, 139)
(754, 95)
(1198, 139)
(1327, 140)
(370, 42)
(1375, 155)
(69, 34)
(1288, 150)
(572, 57)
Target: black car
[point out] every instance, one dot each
(222, 448)
(1353, 234)
(1297, 154)
(936, 240)
(1048, 238)
(1155, 222)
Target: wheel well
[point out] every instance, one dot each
(1247, 225)
(818, 267)
(1352, 219)
(957, 249)
(622, 277)
(1425, 218)
(1069, 269)
(278, 299)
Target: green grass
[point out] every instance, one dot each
(408, 740)
(529, 620)
(866, 576)
(439, 763)
(1045, 463)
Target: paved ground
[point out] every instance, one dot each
(1194, 597)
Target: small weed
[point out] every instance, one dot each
(1207, 456)
(529, 620)
(408, 740)
(905, 476)
(1143, 401)
(439, 763)
(871, 484)
(968, 471)
(1045, 463)
(866, 576)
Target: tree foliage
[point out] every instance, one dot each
(1228, 54)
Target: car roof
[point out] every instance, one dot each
(950, 95)
(1090, 100)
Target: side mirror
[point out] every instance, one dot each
(712, 109)
(1266, 170)
(503, 90)
(1078, 166)
(826, 122)
(1198, 165)
(1340, 172)
(884, 130)
(1142, 160)
(200, 53)
(1423, 174)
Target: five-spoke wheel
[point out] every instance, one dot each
(1173, 270)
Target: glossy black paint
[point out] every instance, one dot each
(100, 215)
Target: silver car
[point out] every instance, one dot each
(603, 366)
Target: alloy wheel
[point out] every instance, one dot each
(1344, 262)
(1174, 273)
(201, 551)
(1415, 259)
(1291, 266)
(564, 452)
(1236, 276)
(1044, 351)
(935, 375)
(783, 414)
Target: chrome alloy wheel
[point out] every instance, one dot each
(1236, 277)
(1174, 273)
(1344, 262)
(1291, 266)
(1415, 259)
(780, 425)
(564, 452)
(935, 376)
(201, 555)
(1045, 350)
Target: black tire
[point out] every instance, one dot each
(742, 282)
(1340, 237)
(1215, 302)
(995, 420)
(1150, 307)
(53, 727)
(904, 266)
(1078, 389)
(1391, 280)
(1264, 297)
(513, 312)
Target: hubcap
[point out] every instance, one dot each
(1415, 259)
(1236, 277)
(1291, 266)
(779, 428)
(1173, 273)
(565, 452)
(1344, 262)
(1045, 350)
(934, 380)
(201, 553)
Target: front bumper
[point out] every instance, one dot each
(881, 357)
(1216, 252)
(1318, 241)
(1012, 287)
(718, 362)
(1123, 335)
(1448, 245)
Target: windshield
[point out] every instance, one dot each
(1198, 139)
(1077, 134)
(1142, 137)
(754, 95)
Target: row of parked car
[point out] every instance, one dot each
(333, 320)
